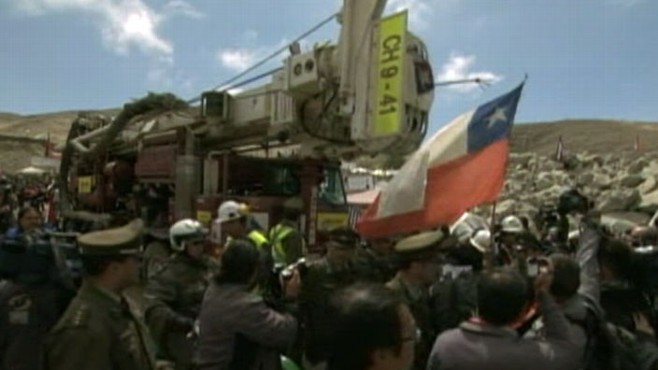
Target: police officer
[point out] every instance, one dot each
(174, 294)
(323, 277)
(102, 329)
(418, 269)
(374, 261)
(31, 301)
(287, 241)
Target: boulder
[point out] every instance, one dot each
(637, 166)
(619, 200)
(585, 178)
(631, 181)
(601, 181)
(521, 159)
(649, 185)
(590, 160)
(652, 168)
(543, 181)
(505, 207)
(649, 200)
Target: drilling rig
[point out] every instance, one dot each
(368, 93)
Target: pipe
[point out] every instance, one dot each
(77, 142)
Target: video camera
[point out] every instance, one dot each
(280, 274)
(39, 259)
(645, 265)
(300, 266)
(573, 201)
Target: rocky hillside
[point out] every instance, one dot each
(17, 154)
(624, 186)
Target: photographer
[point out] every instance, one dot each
(32, 298)
(237, 330)
(489, 340)
(323, 278)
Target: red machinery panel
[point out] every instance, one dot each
(156, 161)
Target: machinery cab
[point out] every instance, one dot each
(266, 183)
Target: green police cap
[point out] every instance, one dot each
(344, 237)
(420, 244)
(125, 240)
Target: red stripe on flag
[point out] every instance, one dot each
(452, 189)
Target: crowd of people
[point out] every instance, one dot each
(557, 291)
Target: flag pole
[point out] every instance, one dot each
(637, 143)
(488, 257)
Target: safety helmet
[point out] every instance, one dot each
(481, 240)
(231, 210)
(512, 225)
(466, 226)
(185, 231)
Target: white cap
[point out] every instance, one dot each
(481, 240)
(512, 225)
(231, 210)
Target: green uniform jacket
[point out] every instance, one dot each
(174, 295)
(100, 331)
(374, 268)
(156, 255)
(417, 298)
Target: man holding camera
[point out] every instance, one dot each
(490, 341)
(237, 330)
(32, 298)
(324, 277)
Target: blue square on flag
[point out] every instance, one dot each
(492, 121)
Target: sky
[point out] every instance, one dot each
(583, 58)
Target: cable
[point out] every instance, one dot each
(480, 81)
(246, 82)
(271, 56)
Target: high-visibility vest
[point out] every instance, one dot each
(277, 234)
(258, 239)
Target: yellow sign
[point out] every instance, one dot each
(204, 217)
(85, 184)
(330, 221)
(388, 105)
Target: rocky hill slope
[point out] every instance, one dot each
(621, 185)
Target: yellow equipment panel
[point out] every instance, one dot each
(388, 105)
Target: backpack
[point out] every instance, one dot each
(609, 346)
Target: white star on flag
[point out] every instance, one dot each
(500, 114)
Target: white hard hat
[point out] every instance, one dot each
(481, 240)
(184, 231)
(512, 225)
(231, 210)
(462, 231)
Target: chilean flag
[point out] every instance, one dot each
(461, 166)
